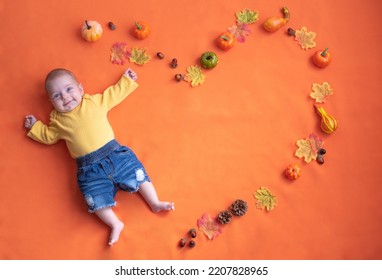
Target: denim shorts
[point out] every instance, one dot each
(105, 171)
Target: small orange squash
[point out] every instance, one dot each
(91, 31)
(226, 41)
(141, 30)
(292, 172)
(273, 24)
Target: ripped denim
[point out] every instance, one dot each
(102, 173)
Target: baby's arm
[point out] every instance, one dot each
(30, 120)
(131, 74)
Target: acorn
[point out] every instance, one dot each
(321, 151)
(174, 63)
(178, 77)
(182, 242)
(160, 55)
(320, 159)
(192, 232)
(111, 25)
(191, 244)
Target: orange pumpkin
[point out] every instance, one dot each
(91, 31)
(141, 30)
(322, 58)
(226, 41)
(292, 172)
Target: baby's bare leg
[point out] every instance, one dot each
(148, 192)
(108, 216)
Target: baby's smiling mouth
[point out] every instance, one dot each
(68, 102)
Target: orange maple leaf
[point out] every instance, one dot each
(209, 226)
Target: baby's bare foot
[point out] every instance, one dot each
(115, 232)
(163, 206)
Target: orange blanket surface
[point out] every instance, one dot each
(203, 146)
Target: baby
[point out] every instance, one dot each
(104, 166)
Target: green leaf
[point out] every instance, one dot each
(247, 16)
(139, 56)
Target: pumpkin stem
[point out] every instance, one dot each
(324, 52)
(286, 13)
(138, 26)
(225, 38)
(87, 25)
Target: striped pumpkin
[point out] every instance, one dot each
(328, 123)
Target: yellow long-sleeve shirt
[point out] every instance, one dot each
(86, 128)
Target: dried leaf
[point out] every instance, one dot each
(240, 31)
(194, 76)
(209, 226)
(308, 148)
(265, 199)
(321, 92)
(305, 38)
(119, 53)
(139, 56)
(247, 16)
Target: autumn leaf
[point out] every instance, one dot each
(119, 53)
(247, 16)
(194, 76)
(321, 92)
(308, 148)
(139, 56)
(209, 226)
(239, 31)
(265, 199)
(305, 38)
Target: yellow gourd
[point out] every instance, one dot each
(328, 123)
(91, 31)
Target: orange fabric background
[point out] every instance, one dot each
(203, 147)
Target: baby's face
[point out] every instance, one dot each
(65, 93)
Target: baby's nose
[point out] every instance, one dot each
(65, 95)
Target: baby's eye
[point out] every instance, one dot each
(55, 96)
(69, 89)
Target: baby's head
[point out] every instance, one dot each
(64, 90)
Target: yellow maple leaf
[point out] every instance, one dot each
(139, 56)
(305, 38)
(194, 76)
(265, 199)
(308, 148)
(321, 92)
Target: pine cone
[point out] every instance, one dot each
(239, 207)
(224, 217)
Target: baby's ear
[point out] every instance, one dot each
(81, 88)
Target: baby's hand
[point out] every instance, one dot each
(30, 120)
(131, 74)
